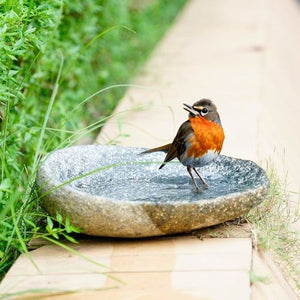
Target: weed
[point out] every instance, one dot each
(257, 278)
(272, 227)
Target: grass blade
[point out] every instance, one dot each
(47, 115)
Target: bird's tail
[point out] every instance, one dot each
(164, 148)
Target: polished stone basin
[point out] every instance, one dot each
(114, 191)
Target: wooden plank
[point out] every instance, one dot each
(139, 255)
(150, 285)
(175, 259)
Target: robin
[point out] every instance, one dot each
(198, 141)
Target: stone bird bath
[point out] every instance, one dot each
(125, 195)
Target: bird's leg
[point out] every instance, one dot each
(206, 186)
(190, 172)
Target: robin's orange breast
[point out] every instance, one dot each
(207, 136)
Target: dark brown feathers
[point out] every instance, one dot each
(177, 147)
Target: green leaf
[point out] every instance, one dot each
(69, 238)
(75, 229)
(3, 29)
(28, 222)
(55, 235)
(59, 217)
(30, 29)
(68, 225)
(12, 72)
(18, 43)
(11, 57)
(5, 185)
(49, 229)
(49, 222)
(27, 137)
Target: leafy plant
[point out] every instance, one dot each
(52, 55)
(63, 229)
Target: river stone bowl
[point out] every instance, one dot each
(115, 191)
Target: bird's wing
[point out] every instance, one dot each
(178, 147)
(181, 137)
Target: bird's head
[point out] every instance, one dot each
(203, 108)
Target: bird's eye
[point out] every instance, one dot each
(203, 111)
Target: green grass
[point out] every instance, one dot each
(53, 56)
(273, 230)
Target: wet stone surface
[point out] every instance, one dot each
(125, 195)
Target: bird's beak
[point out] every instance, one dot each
(190, 109)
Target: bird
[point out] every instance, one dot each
(199, 140)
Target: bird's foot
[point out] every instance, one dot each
(198, 190)
(205, 186)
